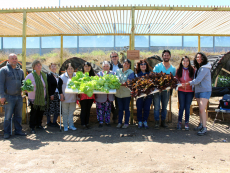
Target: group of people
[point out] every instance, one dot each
(49, 91)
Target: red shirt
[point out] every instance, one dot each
(185, 79)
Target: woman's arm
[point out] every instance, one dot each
(200, 77)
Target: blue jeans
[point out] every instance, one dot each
(162, 97)
(14, 106)
(143, 104)
(185, 100)
(123, 104)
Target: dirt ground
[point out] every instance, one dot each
(109, 149)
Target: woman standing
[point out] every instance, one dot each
(203, 88)
(184, 74)
(39, 98)
(55, 89)
(123, 94)
(104, 101)
(143, 103)
(69, 101)
(86, 101)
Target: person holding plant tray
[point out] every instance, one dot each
(86, 101)
(203, 88)
(104, 101)
(39, 97)
(143, 103)
(55, 89)
(184, 74)
(69, 101)
(123, 94)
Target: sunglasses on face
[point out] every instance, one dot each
(143, 64)
(113, 56)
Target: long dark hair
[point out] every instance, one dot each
(180, 68)
(91, 72)
(204, 58)
(138, 69)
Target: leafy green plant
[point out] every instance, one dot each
(27, 85)
(223, 81)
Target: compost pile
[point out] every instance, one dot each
(148, 83)
(87, 84)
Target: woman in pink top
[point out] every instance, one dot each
(184, 74)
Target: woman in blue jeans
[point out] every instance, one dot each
(123, 94)
(184, 74)
(143, 103)
(203, 88)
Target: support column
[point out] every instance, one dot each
(61, 51)
(132, 47)
(214, 44)
(40, 46)
(77, 44)
(182, 42)
(149, 38)
(2, 43)
(114, 43)
(24, 119)
(198, 43)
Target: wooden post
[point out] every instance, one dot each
(61, 52)
(198, 43)
(131, 47)
(24, 60)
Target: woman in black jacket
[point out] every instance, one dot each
(55, 90)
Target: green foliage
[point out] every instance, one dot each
(223, 81)
(86, 84)
(27, 85)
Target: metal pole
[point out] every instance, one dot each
(198, 43)
(149, 38)
(24, 60)
(77, 44)
(2, 43)
(214, 44)
(114, 43)
(182, 42)
(40, 46)
(61, 52)
(132, 41)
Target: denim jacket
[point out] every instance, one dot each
(10, 80)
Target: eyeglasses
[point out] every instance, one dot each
(143, 64)
(113, 56)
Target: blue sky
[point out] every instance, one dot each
(42, 3)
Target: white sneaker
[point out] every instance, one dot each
(125, 126)
(73, 128)
(65, 129)
(119, 125)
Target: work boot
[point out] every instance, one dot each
(156, 125)
(163, 124)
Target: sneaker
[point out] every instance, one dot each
(202, 132)
(6, 136)
(156, 125)
(33, 131)
(125, 126)
(72, 128)
(119, 125)
(140, 125)
(145, 125)
(199, 127)
(186, 126)
(178, 126)
(65, 129)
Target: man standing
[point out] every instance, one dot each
(11, 77)
(114, 65)
(163, 96)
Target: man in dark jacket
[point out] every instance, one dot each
(11, 77)
(114, 65)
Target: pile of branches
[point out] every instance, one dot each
(148, 83)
